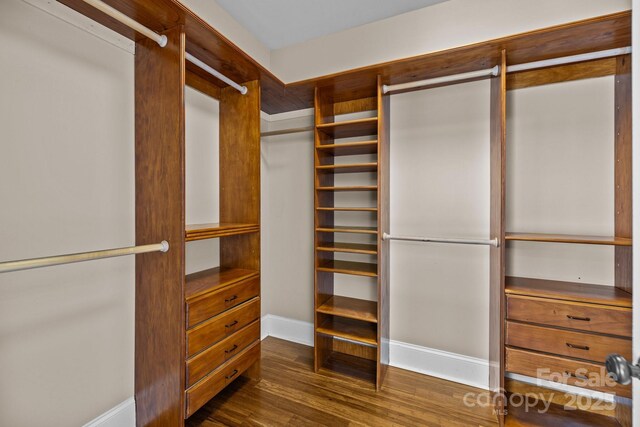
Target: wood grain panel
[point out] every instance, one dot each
(201, 364)
(578, 345)
(560, 369)
(572, 315)
(212, 384)
(622, 174)
(497, 221)
(351, 308)
(568, 291)
(569, 238)
(350, 329)
(159, 177)
(562, 73)
(384, 209)
(240, 174)
(210, 332)
(213, 303)
(213, 279)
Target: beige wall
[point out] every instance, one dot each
(560, 179)
(66, 174)
(442, 26)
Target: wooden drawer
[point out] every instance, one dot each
(213, 330)
(203, 363)
(566, 343)
(212, 384)
(214, 303)
(573, 315)
(566, 371)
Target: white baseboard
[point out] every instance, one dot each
(436, 363)
(441, 364)
(122, 415)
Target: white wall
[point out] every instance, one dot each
(442, 26)
(66, 174)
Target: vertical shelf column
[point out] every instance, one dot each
(384, 193)
(323, 281)
(160, 215)
(497, 231)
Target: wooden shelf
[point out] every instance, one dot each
(348, 229)
(350, 329)
(350, 188)
(351, 308)
(209, 280)
(569, 238)
(349, 267)
(350, 128)
(350, 148)
(349, 168)
(213, 230)
(337, 209)
(569, 291)
(354, 248)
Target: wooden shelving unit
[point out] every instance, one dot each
(347, 229)
(568, 327)
(345, 325)
(349, 148)
(212, 230)
(354, 248)
(349, 329)
(569, 238)
(210, 280)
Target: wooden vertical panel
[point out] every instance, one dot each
(497, 255)
(623, 195)
(240, 173)
(159, 159)
(623, 218)
(384, 112)
(323, 281)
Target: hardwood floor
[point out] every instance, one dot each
(291, 394)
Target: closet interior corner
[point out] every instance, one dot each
(246, 314)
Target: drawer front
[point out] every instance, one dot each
(220, 327)
(199, 394)
(566, 343)
(214, 303)
(565, 371)
(208, 360)
(573, 315)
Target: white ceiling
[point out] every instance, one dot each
(280, 23)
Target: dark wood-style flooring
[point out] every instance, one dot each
(289, 393)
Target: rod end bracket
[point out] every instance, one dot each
(164, 246)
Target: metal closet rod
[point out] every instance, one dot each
(510, 69)
(493, 242)
(27, 264)
(161, 40)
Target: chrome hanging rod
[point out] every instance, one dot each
(215, 73)
(492, 242)
(569, 59)
(124, 19)
(161, 40)
(27, 264)
(510, 69)
(444, 79)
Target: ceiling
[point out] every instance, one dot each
(280, 23)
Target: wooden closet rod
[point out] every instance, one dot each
(161, 40)
(492, 242)
(27, 264)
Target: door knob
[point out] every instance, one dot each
(621, 370)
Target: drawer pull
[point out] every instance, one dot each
(233, 298)
(232, 349)
(232, 374)
(584, 319)
(580, 377)
(578, 347)
(235, 322)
